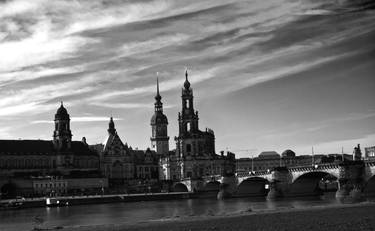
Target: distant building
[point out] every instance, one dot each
(370, 152)
(270, 159)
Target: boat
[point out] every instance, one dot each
(14, 204)
(55, 202)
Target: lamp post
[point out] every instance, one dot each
(252, 163)
(102, 189)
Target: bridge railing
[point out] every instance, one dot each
(212, 178)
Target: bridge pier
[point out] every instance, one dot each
(228, 187)
(351, 181)
(280, 183)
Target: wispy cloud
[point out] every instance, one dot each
(78, 119)
(96, 55)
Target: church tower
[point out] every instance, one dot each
(187, 118)
(62, 136)
(159, 126)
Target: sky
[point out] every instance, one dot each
(267, 75)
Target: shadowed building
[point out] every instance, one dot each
(195, 149)
(126, 169)
(23, 163)
(117, 163)
(195, 155)
(370, 152)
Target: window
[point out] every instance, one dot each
(188, 127)
(188, 148)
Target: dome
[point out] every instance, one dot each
(288, 153)
(62, 113)
(159, 118)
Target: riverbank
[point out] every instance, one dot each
(97, 199)
(323, 218)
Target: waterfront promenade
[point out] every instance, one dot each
(331, 218)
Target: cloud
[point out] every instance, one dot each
(20, 109)
(96, 55)
(151, 45)
(174, 83)
(37, 73)
(82, 119)
(128, 105)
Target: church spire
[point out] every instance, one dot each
(111, 127)
(157, 97)
(158, 103)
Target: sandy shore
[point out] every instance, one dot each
(337, 217)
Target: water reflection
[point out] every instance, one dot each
(19, 220)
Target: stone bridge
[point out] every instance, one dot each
(354, 179)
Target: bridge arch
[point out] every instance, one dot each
(313, 183)
(212, 186)
(8, 190)
(253, 186)
(180, 187)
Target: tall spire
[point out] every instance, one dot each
(158, 103)
(157, 97)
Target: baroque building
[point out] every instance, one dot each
(194, 156)
(24, 163)
(127, 170)
(195, 149)
(116, 159)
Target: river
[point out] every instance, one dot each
(133, 212)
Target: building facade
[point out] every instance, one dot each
(22, 162)
(126, 169)
(117, 162)
(194, 156)
(271, 159)
(370, 153)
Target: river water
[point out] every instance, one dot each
(134, 212)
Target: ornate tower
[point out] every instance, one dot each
(159, 126)
(62, 136)
(187, 118)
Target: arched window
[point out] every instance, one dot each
(187, 103)
(188, 127)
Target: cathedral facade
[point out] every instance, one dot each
(194, 156)
(126, 169)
